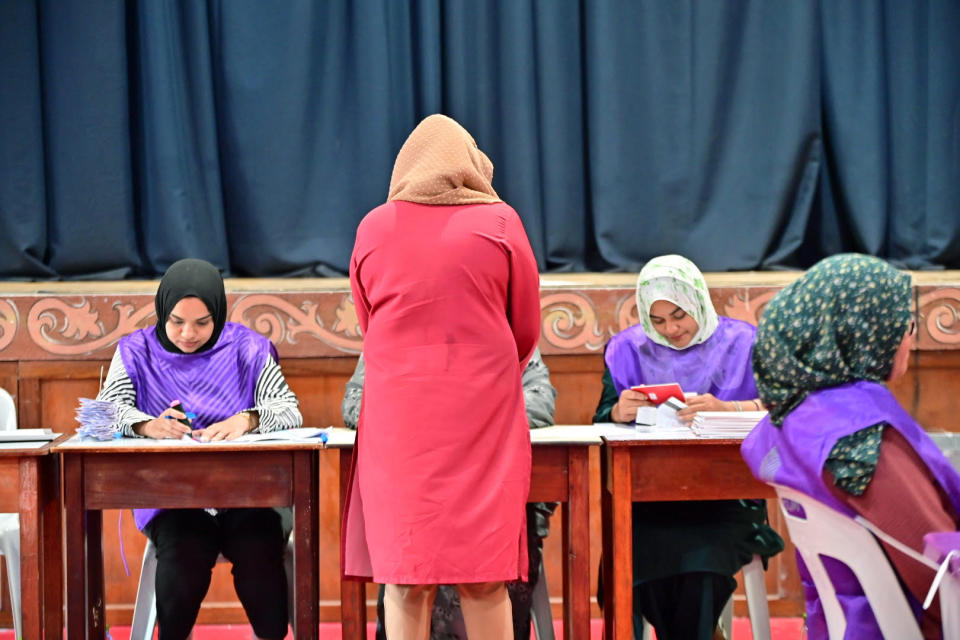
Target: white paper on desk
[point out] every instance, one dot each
(299, 434)
(667, 419)
(646, 415)
(27, 435)
(618, 431)
(341, 437)
(31, 444)
(566, 434)
(726, 424)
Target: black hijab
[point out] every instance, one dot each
(185, 279)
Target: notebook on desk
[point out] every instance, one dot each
(28, 435)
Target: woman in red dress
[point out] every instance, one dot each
(447, 295)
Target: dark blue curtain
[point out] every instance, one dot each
(256, 134)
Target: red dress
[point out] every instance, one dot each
(448, 300)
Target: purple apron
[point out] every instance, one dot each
(215, 384)
(720, 365)
(794, 455)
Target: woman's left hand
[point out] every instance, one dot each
(229, 429)
(703, 402)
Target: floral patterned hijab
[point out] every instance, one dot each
(842, 321)
(441, 164)
(675, 279)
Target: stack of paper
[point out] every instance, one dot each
(98, 419)
(726, 424)
(27, 435)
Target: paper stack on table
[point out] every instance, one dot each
(27, 435)
(726, 424)
(98, 419)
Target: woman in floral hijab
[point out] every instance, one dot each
(825, 346)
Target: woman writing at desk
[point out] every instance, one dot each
(685, 554)
(228, 376)
(825, 346)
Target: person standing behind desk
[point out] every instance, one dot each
(446, 290)
(228, 376)
(685, 554)
(446, 620)
(825, 346)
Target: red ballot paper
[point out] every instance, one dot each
(658, 393)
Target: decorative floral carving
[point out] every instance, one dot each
(743, 306)
(59, 327)
(627, 314)
(942, 319)
(347, 321)
(9, 321)
(570, 321)
(281, 321)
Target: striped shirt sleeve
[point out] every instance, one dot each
(276, 404)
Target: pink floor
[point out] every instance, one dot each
(781, 629)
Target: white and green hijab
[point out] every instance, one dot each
(675, 279)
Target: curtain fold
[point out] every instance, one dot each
(257, 133)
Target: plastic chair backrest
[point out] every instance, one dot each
(10, 522)
(8, 411)
(822, 531)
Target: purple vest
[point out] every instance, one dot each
(794, 454)
(214, 384)
(720, 365)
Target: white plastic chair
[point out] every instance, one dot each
(145, 608)
(10, 523)
(821, 530)
(755, 586)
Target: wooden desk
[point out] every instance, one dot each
(135, 473)
(30, 486)
(558, 474)
(654, 470)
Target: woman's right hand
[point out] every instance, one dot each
(164, 426)
(626, 408)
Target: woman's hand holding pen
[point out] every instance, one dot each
(229, 429)
(166, 425)
(626, 408)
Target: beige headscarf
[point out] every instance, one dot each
(441, 164)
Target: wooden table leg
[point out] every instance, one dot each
(83, 532)
(353, 599)
(74, 534)
(306, 559)
(51, 552)
(576, 547)
(617, 545)
(96, 607)
(31, 588)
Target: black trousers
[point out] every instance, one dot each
(188, 542)
(683, 607)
